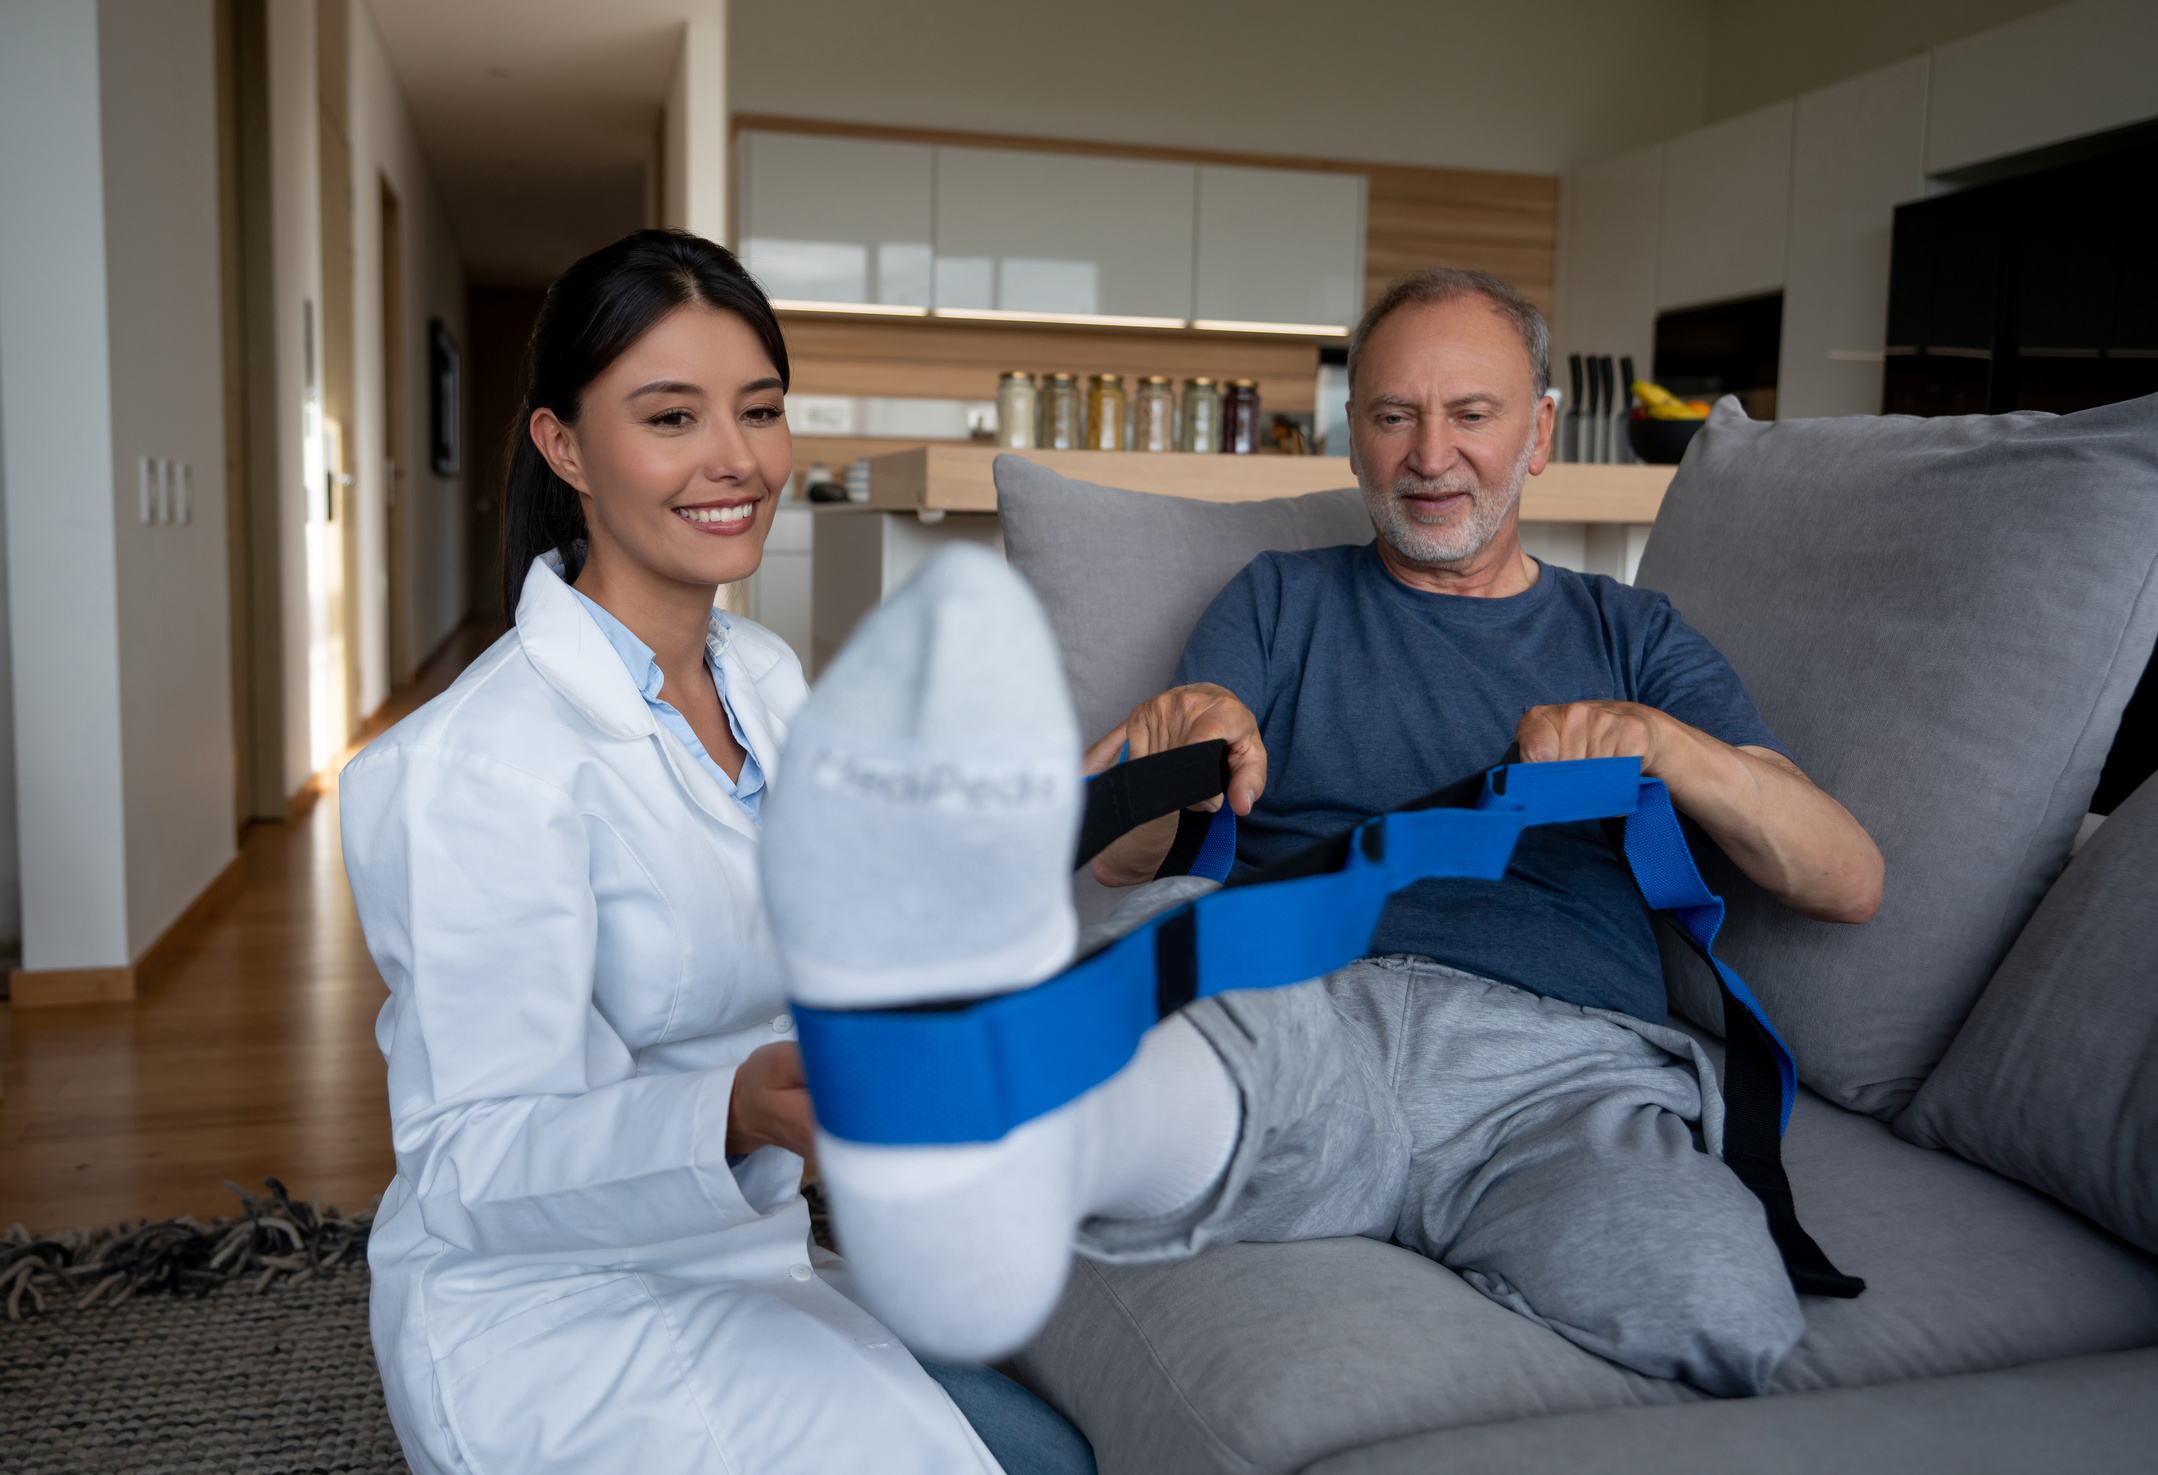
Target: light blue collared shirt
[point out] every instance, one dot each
(748, 791)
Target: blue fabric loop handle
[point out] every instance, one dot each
(973, 1072)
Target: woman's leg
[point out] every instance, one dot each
(1027, 1436)
(645, 1372)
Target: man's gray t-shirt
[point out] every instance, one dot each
(1370, 694)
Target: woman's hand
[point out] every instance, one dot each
(770, 1105)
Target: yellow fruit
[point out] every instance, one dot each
(1662, 404)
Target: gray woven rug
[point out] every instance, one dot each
(235, 1346)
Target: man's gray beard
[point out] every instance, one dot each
(1460, 539)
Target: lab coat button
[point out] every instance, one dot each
(782, 1024)
(801, 1272)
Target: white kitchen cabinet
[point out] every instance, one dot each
(2061, 74)
(1605, 302)
(1063, 233)
(838, 219)
(1280, 246)
(860, 555)
(1857, 153)
(1725, 210)
(780, 589)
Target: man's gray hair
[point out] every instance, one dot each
(1437, 284)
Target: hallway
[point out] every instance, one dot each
(253, 1056)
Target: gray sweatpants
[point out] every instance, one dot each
(1561, 1160)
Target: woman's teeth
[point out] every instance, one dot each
(717, 514)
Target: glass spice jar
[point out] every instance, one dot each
(1153, 421)
(1063, 418)
(1016, 410)
(1105, 412)
(1198, 426)
(1240, 417)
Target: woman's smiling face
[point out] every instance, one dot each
(680, 450)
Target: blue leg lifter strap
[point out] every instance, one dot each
(972, 1072)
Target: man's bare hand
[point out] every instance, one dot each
(1177, 718)
(1590, 730)
(770, 1104)
(1796, 842)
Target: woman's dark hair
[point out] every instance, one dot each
(593, 313)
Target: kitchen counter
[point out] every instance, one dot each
(958, 478)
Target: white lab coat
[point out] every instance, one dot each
(567, 1274)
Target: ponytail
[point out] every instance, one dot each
(593, 313)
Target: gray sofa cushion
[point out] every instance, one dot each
(2054, 1081)
(1943, 620)
(1125, 575)
(1267, 1357)
(1263, 1358)
(2080, 1416)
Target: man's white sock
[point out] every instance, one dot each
(917, 847)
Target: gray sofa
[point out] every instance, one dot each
(1944, 620)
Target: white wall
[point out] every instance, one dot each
(694, 128)
(296, 280)
(158, 75)
(1540, 89)
(1764, 51)
(385, 147)
(109, 346)
(56, 376)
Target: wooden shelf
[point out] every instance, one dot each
(957, 477)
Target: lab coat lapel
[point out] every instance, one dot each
(705, 794)
(567, 647)
(745, 691)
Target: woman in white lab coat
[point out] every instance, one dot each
(595, 1255)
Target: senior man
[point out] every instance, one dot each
(1492, 1086)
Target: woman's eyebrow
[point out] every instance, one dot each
(665, 386)
(754, 385)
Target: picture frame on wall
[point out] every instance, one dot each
(444, 398)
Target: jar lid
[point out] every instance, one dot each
(1243, 384)
(1202, 380)
(1106, 380)
(1018, 374)
(1064, 378)
(1155, 379)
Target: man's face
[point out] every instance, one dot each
(1444, 426)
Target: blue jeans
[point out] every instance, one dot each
(1027, 1436)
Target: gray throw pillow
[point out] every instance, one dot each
(2054, 1081)
(1943, 620)
(1126, 575)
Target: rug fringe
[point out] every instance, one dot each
(271, 1239)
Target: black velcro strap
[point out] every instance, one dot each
(1130, 794)
(1192, 828)
(1323, 857)
(1176, 963)
(1753, 1128)
(1753, 1149)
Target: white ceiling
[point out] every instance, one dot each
(538, 119)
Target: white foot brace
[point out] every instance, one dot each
(918, 848)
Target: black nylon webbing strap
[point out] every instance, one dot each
(1130, 794)
(1752, 1129)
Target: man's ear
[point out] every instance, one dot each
(1547, 420)
(1356, 468)
(558, 443)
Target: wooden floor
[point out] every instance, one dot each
(253, 1056)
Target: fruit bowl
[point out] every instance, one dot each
(1660, 442)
